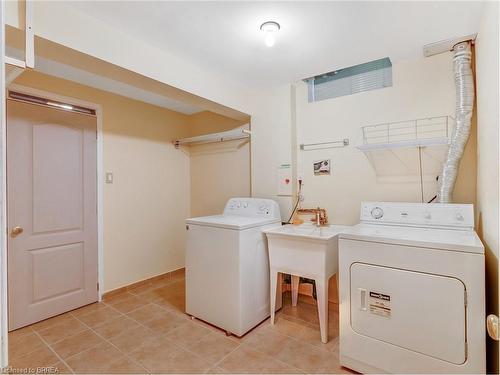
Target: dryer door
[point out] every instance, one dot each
(421, 312)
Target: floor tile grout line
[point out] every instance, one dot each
(147, 328)
(280, 361)
(296, 339)
(37, 333)
(152, 289)
(185, 348)
(276, 359)
(165, 333)
(170, 341)
(240, 344)
(109, 342)
(326, 351)
(21, 328)
(53, 351)
(142, 323)
(211, 331)
(227, 355)
(172, 309)
(23, 354)
(74, 333)
(304, 342)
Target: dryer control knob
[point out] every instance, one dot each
(377, 212)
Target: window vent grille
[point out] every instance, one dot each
(372, 75)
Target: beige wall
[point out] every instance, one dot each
(219, 171)
(155, 185)
(487, 66)
(206, 122)
(421, 88)
(272, 139)
(145, 207)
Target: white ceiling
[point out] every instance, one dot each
(315, 37)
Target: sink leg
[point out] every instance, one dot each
(279, 292)
(273, 285)
(322, 294)
(295, 289)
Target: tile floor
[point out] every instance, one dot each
(145, 330)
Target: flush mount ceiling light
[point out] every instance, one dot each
(270, 28)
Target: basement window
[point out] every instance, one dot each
(368, 76)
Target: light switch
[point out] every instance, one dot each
(109, 177)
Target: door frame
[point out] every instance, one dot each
(99, 171)
(3, 193)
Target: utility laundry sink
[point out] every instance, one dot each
(309, 251)
(307, 231)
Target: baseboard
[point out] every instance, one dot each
(172, 275)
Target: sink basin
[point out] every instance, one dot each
(305, 250)
(308, 231)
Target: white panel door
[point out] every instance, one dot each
(52, 212)
(421, 312)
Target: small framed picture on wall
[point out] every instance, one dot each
(322, 167)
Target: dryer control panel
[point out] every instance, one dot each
(256, 207)
(431, 215)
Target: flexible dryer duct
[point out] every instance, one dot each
(464, 86)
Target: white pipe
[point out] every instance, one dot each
(464, 86)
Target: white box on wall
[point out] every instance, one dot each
(285, 180)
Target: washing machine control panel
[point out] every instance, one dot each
(252, 207)
(377, 213)
(435, 215)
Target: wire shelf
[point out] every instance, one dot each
(412, 133)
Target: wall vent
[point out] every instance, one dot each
(368, 76)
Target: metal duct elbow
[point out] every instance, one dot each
(464, 86)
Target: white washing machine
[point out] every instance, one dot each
(412, 290)
(227, 264)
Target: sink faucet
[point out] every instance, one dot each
(320, 217)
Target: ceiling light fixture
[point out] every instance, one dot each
(270, 28)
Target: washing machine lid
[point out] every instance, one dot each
(235, 222)
(445, 239)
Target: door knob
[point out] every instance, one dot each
(16, 231)
(492, 326)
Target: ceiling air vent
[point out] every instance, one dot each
(368, 76)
